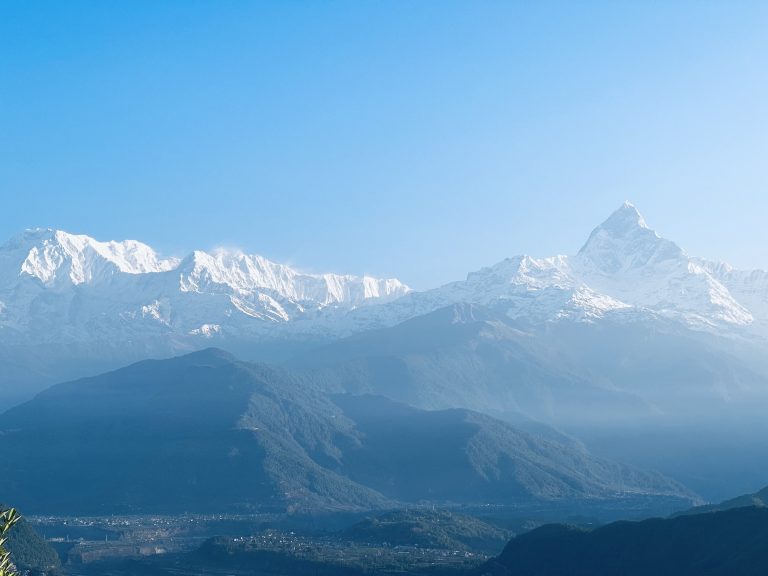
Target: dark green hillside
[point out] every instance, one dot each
(429, 529)
(205, 432)
(463, 456)
(196, 433)
(30, 552)
(729, 543)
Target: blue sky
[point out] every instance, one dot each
(414, 139)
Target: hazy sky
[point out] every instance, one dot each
(415, 139)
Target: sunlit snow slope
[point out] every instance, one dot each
(625, 270)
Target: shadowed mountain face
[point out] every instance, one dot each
(475, 357)
(641, 392)
(462, 356)
(206, 432)
(733, 543)
(464, 456)
(631, 312)
(199, 432)
(631, 345)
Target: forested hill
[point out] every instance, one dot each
(728, 543)
(29, 551)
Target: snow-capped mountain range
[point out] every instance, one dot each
(60, 287)
(56, 286)
(625, 270)
(625, 333)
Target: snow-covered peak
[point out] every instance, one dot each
(625, 242)
(247, 274)
(62, 287)
(626, 217)
(627, 260)
(55, 257)
(525, 271)
(625, 270)
(58, 286)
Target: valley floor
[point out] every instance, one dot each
(420, 540)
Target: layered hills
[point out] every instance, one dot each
(72, 306)
(206, 432)
(630, 344)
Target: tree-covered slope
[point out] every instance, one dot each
(467, 457)
(428, 529)
(205, 432)
(728, 543)
(30, 552)
(599, 374)
(201, 432)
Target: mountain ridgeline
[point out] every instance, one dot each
(535, 379)
(205, 432)
(732, 542)
(72, 306)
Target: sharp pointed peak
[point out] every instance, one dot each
(625, 221)
(627, 216)
(625, 240)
